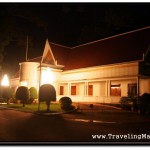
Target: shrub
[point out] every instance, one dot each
(33, 94)
(22, 94)
(128, 102)
(144, 104)
(65, 103)
(6, 93)
(125, 102)
(47, 93)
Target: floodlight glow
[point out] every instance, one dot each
(47, 76)
(5, 81)
(24, 83)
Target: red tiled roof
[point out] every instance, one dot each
(125, 47)
(60, 53)
(122, 48)
(37, 59)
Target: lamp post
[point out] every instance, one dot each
(45, 77)
(39, 87)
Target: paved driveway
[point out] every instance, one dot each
(77, 127)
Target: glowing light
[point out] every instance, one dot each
(47, 76)
(24, 83)
(5, 81)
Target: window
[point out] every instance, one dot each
(61, 90)
(132, 89)
(90, 90)
(73, 90)
(115, 90)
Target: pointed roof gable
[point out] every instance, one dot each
(48, 57)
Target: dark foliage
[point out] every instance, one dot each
(22, 94)
(6, 92)
(47, 93)
(66, 103)
(144, 104)
(33, 93)
(128, 103)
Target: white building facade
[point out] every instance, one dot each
(89, 81)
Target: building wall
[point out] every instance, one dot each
(14, 83)
(28, 74)
(101, 72)
(101, 79)
(144, 86)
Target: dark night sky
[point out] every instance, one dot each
(68, 24)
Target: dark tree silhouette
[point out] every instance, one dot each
(22, 94)
(47, 93)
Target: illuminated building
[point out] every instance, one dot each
(100, 71)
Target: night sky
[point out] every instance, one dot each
(69, 24)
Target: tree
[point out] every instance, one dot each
(22, 94)
(6, 92)
(16, 24)
(33, 93)
(47, 93)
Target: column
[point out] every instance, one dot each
(138, 86)
(108, 87)
(69, 88)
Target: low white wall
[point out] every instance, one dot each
(94, 99)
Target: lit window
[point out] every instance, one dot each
(61, 90)
(73, 90)
(115, 90)
(90, 90)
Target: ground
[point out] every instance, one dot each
(89, 125)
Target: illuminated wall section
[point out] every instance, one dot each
(28, 74)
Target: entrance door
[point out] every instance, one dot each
(132, 89)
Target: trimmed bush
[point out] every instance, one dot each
(144, 104)
(65, 103)
(47, 93)
(22, 94)
(128, 103)
(33, 94)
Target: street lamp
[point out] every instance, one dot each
(47, 76)
(5, 88)
(5, 81)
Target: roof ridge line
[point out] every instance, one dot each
(35, 57)
(117, 35)
(60, 45)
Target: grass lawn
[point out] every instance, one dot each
(54, 107)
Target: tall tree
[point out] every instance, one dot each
(16, 23)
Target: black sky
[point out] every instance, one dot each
(68, 24)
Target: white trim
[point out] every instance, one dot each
(100, 79)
